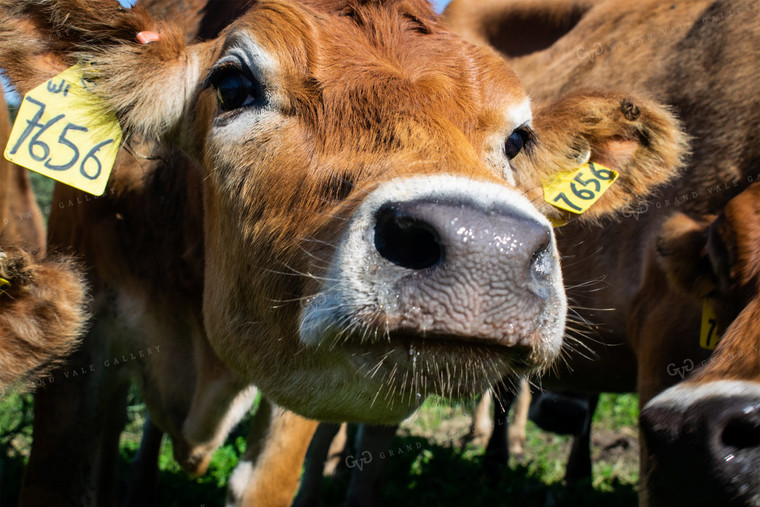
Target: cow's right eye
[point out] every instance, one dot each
(234, 89)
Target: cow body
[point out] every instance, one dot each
(145, 323)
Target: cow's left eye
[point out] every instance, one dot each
(234, 89)
(518, 139)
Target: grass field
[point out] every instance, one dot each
(440, 470)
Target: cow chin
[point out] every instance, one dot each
(383, 380)
(441, 285)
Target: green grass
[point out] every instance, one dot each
(429, 470)
(616, 411)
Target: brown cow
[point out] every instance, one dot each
(696, 56)
(713, 417)
(361, 247)
(42, 312)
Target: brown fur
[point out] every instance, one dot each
(656, 66)
(20, 218)
(679, 246)
(151, 211)
(42, 315)
(644, 146)
(712, 108)
(275, 451)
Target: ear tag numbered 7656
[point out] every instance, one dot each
(576, 191)
(66, 132)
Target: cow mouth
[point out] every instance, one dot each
(518, 356)
(445, 365)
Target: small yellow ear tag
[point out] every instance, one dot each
(66, 133)
(578, 190)
(4, 285)
(709, 335)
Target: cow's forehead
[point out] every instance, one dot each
(377, 54)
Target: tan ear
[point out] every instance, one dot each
(149, 86)
(38, 39)
(682, 254)
(636, 137)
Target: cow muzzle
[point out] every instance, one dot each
(703, 444)
(443, 266)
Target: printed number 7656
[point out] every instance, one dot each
(586, 194)
(40, 150)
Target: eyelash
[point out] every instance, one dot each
(216, 74)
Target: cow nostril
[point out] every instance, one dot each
(541, 270)
(741, 434)
(542, 263)
(406, 241)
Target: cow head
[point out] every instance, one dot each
(703, 435)
(368, 241)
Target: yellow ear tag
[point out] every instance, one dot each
(66, 132)
(709, 335)
(4, 285)
(576, 191)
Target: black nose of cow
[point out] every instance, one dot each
(707, 452)
(423, 234)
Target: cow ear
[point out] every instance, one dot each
(142, 83)
(39, 39)
(682, 248)
(638, 138)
